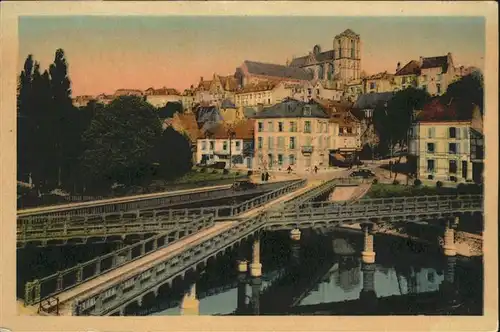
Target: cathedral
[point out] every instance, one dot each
(341, 64)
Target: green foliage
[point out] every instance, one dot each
(469, 89)
(169, 110)
(119, 141)
(173, 152)
(393, 121)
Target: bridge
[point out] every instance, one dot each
(138, 202)
(111, 292)
(48, 229)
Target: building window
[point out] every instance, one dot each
(307, 126)
(309, 91)
(212, 145)
(270, 126)
(260, 142)
(280, 127)
(430, 147)
(269, 100)
(270, 143)
(452, 166)
(438, 77)
(424, 78)
(291, 159)
(452, 132)
(292, 143)
(452, 148)
(321, 72)
(403, 80)
(224, 145)
(438, 87)
(430, 165)
(317, 92)
(203, 145)
(261, 127)
(280, 159)
(270, 160)
(372, 85)
(430, 132)
(352, 49)
(238, 145)
(293, 126)
(281, 142)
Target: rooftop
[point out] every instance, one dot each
(411, 68)
(291, 108)
(371, 100)
(274, 70)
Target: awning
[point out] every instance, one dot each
(337, 156)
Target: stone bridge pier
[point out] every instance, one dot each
(368, 254)
(256, 266)
(449, 287)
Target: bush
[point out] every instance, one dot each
(203, 170)
(375, 181)
(453, 178)
(225, 171)
(395, 182)
(462, 188)
(215, 171)
(250, 173)
(430, 176)
(439, 184)
(417, 183)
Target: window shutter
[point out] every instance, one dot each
(457, 132)
(466, 148)
(465, 132)
(433, 132)
(458, 148)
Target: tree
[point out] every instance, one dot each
(168, 111)
(25, 124)
(64, 117)
(173, 152)
(392, 120)
(469, 89)
(119, 141)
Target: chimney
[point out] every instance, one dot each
(201, 78)
(421, 61)
(398, 68)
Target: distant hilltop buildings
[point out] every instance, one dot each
(334, 74)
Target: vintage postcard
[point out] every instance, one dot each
(280, 165)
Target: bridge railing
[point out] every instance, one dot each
(136, 221)
(49, 286)
(122, 203)
(267, 197)
(380, 208)
(66, 230)
(321, 189)
(394, 200)
(101, 302)
(129, 207)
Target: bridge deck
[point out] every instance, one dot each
(97, 284)
(22, 212)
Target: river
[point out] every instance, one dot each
(323, 275)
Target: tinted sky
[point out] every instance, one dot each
(107, 53)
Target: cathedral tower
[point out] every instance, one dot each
(347, 56)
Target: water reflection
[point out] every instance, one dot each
(318, 277)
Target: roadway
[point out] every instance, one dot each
(105, 281)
